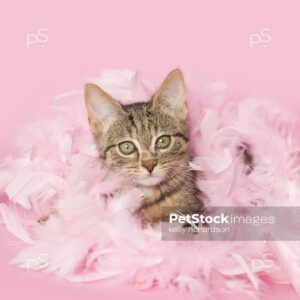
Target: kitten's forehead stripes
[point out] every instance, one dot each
(139, 116)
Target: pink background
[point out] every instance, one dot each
(207, 38)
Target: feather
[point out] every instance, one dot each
(14, 224)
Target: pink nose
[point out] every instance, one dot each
(149, 164)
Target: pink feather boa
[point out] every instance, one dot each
(91, 234)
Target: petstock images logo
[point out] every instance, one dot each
(232, 224)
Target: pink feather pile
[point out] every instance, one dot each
(91, 234)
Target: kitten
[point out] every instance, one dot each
(148, 144)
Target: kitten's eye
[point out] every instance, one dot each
(127, 148)
(163, 142)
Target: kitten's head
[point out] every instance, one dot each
(145, 142)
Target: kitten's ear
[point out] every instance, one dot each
(101, 107)
(170, 96)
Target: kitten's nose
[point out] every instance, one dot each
(149, 164)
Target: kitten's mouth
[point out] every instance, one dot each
(149, 180)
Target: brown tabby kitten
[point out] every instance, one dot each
(148, 144)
